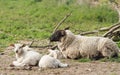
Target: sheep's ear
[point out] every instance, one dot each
(63, 32)
(12, 45)
(67, 28)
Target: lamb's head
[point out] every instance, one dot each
(18, 48)
(56, 36)
(55, 53)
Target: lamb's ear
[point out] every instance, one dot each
(63, 32)
(13, 45)
(23, 45)
(50, 50)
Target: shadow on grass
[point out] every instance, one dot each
(116, 59)
(84, 60)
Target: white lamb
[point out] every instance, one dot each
(25, 56)
(77, 46)
(50, 62)
(56, 54)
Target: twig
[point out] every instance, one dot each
(108, 28)
(53, 31)
(89, 32)
(111, 30)
(31, 43)
(42, 46)
(62, 21)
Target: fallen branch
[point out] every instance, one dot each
(42, 46)
(89, 32)
(31, 43)
(108, 28)
(62, 21)
(107, 34)
(53, 31)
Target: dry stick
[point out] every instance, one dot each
(108, 28)
(58, 25)
(62, 21)
(31, 43)
(89, 32)
(55, 28)
(113, 27)
(111, 30)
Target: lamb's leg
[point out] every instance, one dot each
(61, 64)
(18, 64)
(22, 63)
(20, 59)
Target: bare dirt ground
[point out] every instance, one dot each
(75, 67)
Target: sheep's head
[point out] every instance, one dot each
(18, 48)
(56, 36)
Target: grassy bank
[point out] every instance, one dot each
(36, 19)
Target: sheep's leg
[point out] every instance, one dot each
(106, 52)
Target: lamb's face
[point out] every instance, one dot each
(18, 48)
(55, 53)
(56, 36)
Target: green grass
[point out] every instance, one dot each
(36, 19)
(116, 59)
(84, 60)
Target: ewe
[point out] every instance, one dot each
(25, 56)
(76, 46)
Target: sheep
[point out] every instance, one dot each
(25, 56)
(50, 62)
(77, 46)
(56, 54)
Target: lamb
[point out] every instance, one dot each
(25, 56)
(77, 46)
(50, 62)
(56, 54)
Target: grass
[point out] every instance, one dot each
(116, 59)
(84, 60)
(36, 19)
